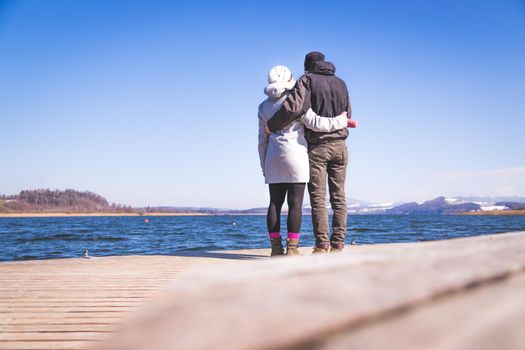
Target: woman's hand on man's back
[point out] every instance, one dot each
(351, 123)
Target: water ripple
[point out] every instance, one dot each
(44, 238)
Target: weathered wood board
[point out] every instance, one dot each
(304, 303)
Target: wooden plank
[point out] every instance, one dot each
(74, 295)
(60, 321)
(66, 303)
(47, 345)
(60, 328)
(58, 297)
(63, 303)
(487, 318)
(54, 336)
(63, 309)
(80, 285)
(62, 315)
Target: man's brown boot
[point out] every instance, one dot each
(292, 246)
(277, 246)
(321, 248)
(337, 247)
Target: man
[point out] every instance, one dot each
(327, 95)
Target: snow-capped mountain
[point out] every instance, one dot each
(439, 205)
(490, 203)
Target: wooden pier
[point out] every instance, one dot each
(74, 303)
(456, 294)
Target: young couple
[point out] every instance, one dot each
(302, 131)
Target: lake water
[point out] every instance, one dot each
(45, 238)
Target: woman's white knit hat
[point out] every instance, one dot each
(279, 80)
(281, 74)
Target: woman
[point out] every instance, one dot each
(284, 159)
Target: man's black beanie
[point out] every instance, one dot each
(311, 58)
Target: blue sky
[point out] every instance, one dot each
(155, 102)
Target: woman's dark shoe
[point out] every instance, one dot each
(277, 246)
(292, 247)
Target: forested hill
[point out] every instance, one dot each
(55, 200)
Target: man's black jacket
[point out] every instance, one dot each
(320, 90)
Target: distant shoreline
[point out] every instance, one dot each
(94, 214)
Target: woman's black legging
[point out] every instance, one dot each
(294, 193)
